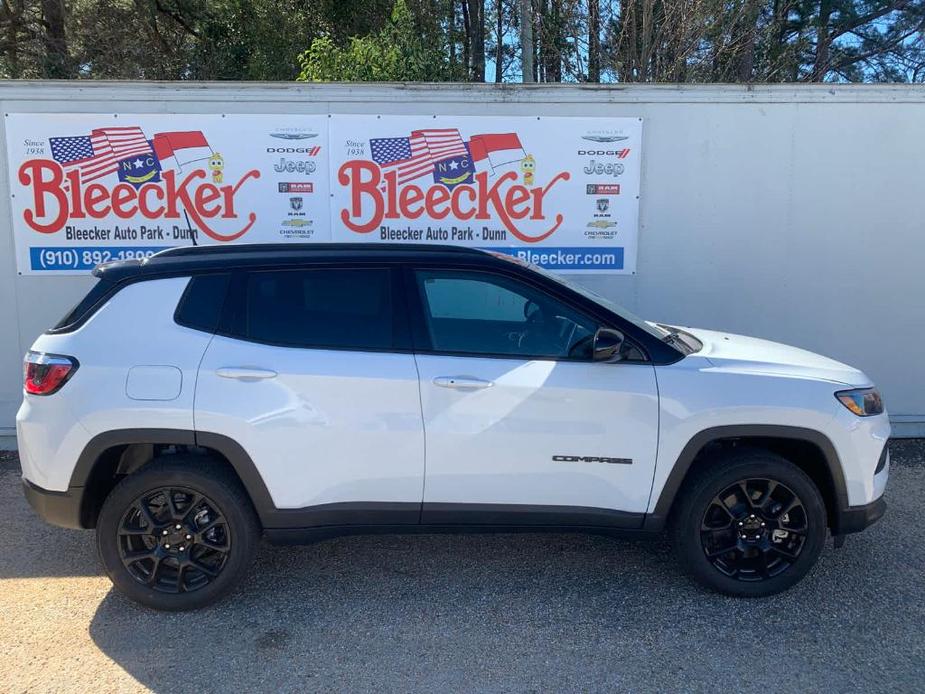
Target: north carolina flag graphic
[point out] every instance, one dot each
(497, 149)
(182, 147)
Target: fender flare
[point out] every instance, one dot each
(657, 519)
(229, 448)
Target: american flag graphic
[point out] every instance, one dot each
(98, 154)
(416, 155)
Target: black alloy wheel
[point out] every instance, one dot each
(748, 523)
(754, 529)
(178, 534)
(174, 540)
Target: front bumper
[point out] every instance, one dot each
(854, 519)
(58, 508)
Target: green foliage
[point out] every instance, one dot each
(397, 52)
(439, 40)
(177, 39)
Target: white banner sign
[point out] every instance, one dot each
(90, 188)
(560, 192)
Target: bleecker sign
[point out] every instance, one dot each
(504, 184)
(90, 188)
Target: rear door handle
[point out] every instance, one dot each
(462, 382)
(243, 373)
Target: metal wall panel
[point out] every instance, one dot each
(793, 213)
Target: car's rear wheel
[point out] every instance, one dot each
(749, 524)
(178, 534)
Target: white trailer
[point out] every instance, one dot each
(790, 212)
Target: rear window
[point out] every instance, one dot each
(86, 307)
(319, 308)
(200, 306)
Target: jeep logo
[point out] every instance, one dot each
(601, 169)
(294, 166)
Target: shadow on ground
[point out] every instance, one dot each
(30, 547)
(526, 613)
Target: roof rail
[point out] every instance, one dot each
(187, 251)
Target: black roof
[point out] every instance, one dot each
(188, 259)
(287, 249)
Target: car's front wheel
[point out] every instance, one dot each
(750, 524)
(178, 534)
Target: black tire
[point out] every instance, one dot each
(774, 555)
(212, 548)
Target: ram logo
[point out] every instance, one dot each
(591, 459)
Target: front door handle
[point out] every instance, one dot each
(462, 382)
(244, 373)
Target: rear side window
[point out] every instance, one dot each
(87, 306)
(200, 306)
(319, 308)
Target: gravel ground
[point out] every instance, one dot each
(471, 613)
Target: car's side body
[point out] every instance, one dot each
(347, 440)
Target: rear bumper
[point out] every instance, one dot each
(855, 518)
(58, 508)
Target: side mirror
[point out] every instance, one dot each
(607, 345)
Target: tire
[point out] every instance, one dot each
(772, 542)
(160, 565)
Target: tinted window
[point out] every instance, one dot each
(95, 298)
(338, 308)
(201, 305)
(481, 313)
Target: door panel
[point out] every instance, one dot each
(531, 437)
(517, 415)
(322, 426)
(309, 375)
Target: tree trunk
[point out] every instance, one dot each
(821, 64)
(477, 40)
(467, 39)
(451, 34)
(594, 41)
(647, 45)
(57, 61)
(745, 63)
(775, 71)
(499, 49)
(526, 41)
(551, 23)
(11, 18)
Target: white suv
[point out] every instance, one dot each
(207, 395)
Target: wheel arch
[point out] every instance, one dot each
(811, 450)
(110, 455)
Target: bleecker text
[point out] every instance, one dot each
(58, 198)
(369, 204)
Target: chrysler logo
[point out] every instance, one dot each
(605, 138)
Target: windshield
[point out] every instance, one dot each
(651, 328)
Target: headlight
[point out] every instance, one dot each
(864, 402)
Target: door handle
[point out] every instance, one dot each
(462, 382)
(242, 373)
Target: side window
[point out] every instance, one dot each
(200, 306)
(100, 293)
(320, 308)
(482, 313)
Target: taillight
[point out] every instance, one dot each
(44, 374)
